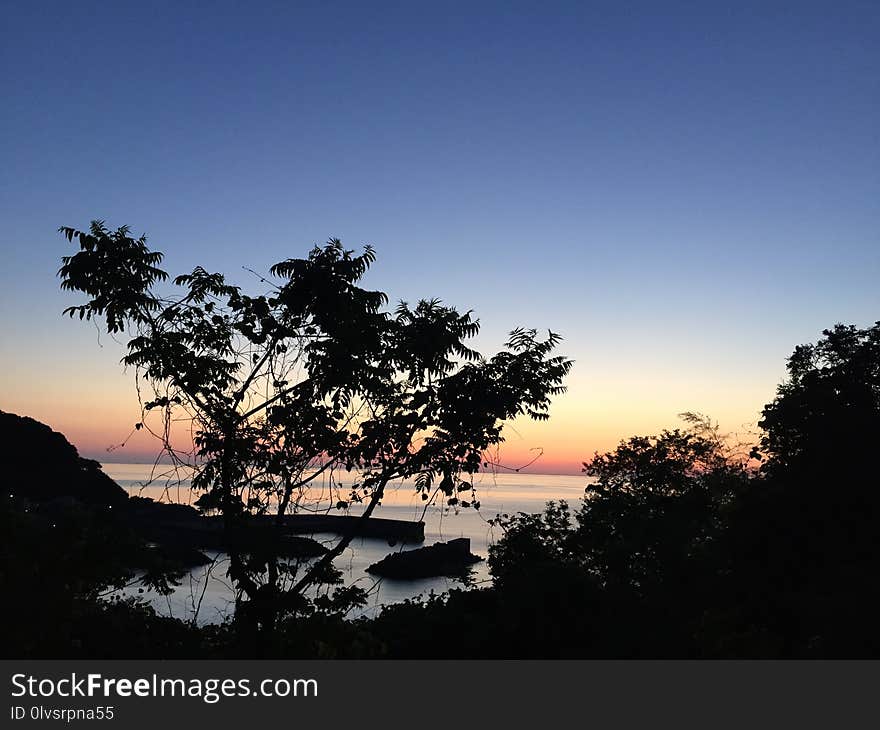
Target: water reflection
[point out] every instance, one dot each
(206, 591)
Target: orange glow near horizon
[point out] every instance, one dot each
(98, 415)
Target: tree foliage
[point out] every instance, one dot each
(801, 545)
(826, 415)
(306, 381)
(682, 548)
(652, 504)
(654, 509)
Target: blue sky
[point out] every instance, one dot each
(684, 190)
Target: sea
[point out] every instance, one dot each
(205, 595)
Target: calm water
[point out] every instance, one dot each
(498, 493)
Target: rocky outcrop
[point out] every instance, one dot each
(450, 559)
(39, 464)
(42, 466)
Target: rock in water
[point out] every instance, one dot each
(450, 559)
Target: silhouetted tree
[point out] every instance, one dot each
(312, 377)
(630, 572)
(682, 549)
(647, 519)
(825, 419)
(802, 541)
(630, 569)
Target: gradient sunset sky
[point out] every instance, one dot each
(684, 191)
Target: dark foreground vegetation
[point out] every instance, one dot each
(681, 548)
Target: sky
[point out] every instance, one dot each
(684, 191)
